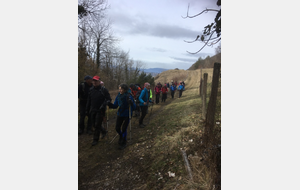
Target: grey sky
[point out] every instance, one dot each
(154, 31)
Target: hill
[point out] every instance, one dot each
(171, 75)
(208, 62)
(154, 71)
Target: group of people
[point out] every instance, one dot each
(94, 100)
(159, 89)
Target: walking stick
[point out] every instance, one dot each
(113, 138)
(150, 114)
(107, 122)
(130, 120)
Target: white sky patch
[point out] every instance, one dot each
(154, 31)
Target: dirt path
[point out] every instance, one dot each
(104, 166)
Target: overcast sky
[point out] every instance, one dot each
(154, 31)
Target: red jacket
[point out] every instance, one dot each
(164, 90)
(157, 90)
(135, 91)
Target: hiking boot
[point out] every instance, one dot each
(90, 132)
(103, 134)
(120, 140)
(142, 126)
(80, 132)
(122, 145)
(94, 143)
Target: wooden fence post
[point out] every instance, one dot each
(200, 88)
(204, 90)
(211, 107)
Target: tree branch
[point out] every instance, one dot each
(206, 10)
(203, 45)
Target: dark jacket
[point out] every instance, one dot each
(122, 103)
(83, 93)
(98, 96)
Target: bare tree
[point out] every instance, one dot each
(90, 11)
(102, 40)
(212, 32)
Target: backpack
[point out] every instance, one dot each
(137, 95)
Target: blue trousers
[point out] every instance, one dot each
(121, 126)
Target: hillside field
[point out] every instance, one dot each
(154, 151)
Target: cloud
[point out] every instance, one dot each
(156, 49)
(133, 25)
(184, 59)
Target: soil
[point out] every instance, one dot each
(104, 166)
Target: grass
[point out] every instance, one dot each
(174, 125)
(179, 122)
(180, 126)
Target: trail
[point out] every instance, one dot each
(104, 166)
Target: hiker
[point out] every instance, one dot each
(123, 100)
(102, 84)
(150, 94)
(144, 100)
(183, 83)
(96, 105)
(180, 89)
(83, 92)
(135, 91)
(157, 90)
(168, 85)
(173, 89)
(164, 93)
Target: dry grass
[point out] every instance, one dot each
(181, 127)
(169, 75)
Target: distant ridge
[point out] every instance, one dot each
(154, 71)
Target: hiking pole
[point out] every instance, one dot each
(150, 114)
(107, 123)
(113, 138)
(130, 120)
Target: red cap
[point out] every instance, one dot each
(96, 78)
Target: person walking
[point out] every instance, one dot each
(96, 104)
(180, 89)
(173, 89)
(135, 91)
(83, 92)
(183, 83)
(124, 101)
(164, 93)
(144, 100)
(157, 90)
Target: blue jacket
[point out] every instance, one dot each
(144, 97)
(173, 88)
(181, 87)
(122, 103)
